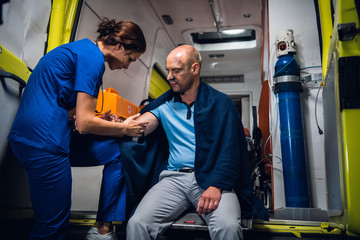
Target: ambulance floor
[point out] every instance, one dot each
(19, 229)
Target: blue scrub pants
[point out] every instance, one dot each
(50, 182)
(92, 150)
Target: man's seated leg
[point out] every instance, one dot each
(161, 205)
(225, 221)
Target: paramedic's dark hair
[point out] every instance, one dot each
(125, 33)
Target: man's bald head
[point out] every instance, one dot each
(186, 54)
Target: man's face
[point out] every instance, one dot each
(180, 74)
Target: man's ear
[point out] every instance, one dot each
(195, 68)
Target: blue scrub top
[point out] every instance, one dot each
(42, 118)
(179, 129)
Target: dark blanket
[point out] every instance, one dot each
(221, 156)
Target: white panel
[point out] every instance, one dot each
(129, 83)
(302, 19)
(23, 33)
(24, 29)
(315, 146)
(163, 46)
(138, 11)
(333, 172)
(86, 188)
(88, 24)
(245, 112)
(14, 187)
(9, 103)
(251, 86)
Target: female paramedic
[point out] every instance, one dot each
(63, 87)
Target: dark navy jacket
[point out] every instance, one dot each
(221, 156)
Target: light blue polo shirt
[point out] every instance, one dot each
(177, 119)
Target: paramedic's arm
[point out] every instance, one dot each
(152, 121)
(87, 122)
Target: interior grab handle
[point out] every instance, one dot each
(6, 74)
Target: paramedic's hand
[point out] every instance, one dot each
(134, 127)
(209, 200)
(112, 117)
(71, 113)
(72, 118)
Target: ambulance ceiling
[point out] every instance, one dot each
(184, 19)
(203, 22)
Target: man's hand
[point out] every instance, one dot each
(209, 200)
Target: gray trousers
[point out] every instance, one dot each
(174, 194)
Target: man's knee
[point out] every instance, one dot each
(225, 228)
(136, 222)
(133, 221)
(227, 225)
(232, 226)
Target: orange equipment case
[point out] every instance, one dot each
(118, 105)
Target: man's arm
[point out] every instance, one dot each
(152, 121)
(87, 122)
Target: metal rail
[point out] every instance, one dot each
(218, 28)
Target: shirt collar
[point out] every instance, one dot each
(177, 97)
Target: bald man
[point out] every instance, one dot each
(205, 155)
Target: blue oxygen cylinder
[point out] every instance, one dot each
(288, 90)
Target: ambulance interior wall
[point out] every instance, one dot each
(23, 33)
(14, 187)
(299, 16)
(333, 167)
